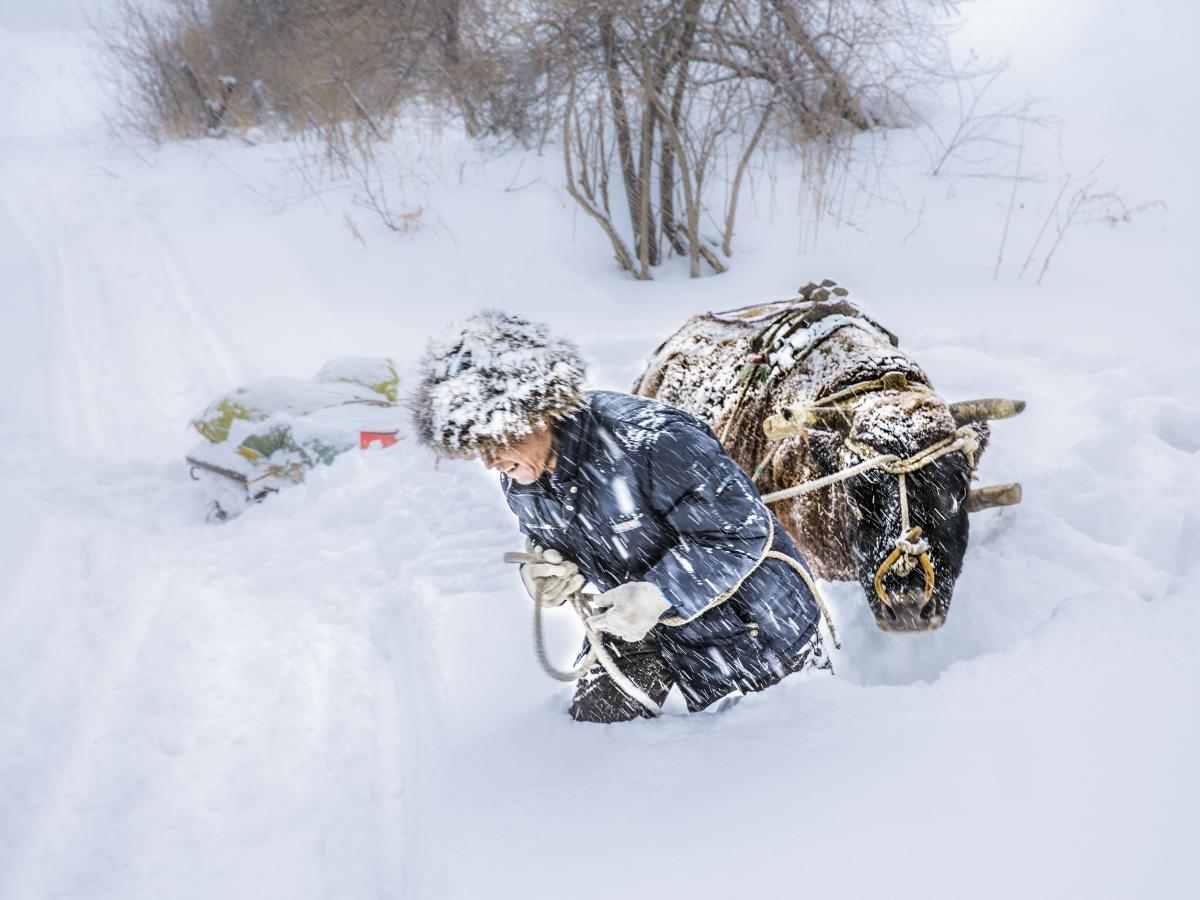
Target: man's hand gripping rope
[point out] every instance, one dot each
(549, 579)
(629, 611)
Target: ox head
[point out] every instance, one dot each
(908, 576)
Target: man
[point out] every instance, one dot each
(638, 500)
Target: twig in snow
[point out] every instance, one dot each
(1012, 202)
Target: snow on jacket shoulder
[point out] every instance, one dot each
(645, 492)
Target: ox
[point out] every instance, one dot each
(866, 467)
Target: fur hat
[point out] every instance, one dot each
(491, 380)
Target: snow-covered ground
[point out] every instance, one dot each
(334, 695)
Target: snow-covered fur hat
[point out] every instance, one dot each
(493, 379)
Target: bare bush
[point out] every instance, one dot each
(202, 67)
(662, 96)
(1080, 202)
(660, 105)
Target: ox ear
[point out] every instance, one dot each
(967, 411)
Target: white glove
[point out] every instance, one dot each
(630, 610)
(551, 580)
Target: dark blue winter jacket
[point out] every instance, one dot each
(644, 492)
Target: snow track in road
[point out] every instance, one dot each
(217, 701)
(124, 342)
(90, 628)
(189, 710)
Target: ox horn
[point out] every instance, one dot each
(795, 419)
(969, 411)
(995, 495)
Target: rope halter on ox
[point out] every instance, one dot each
(910, 549)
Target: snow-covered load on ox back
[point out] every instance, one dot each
(866, 466)
(266, 435)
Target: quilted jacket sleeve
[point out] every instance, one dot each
(713, 508)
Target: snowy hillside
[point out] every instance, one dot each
(334, 695)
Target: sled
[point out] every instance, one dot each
(264, 437)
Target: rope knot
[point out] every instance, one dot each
(911, 550)
(910, 553)
(968, 441)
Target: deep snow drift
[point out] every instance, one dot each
(335, 696)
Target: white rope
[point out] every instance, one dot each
(816, 592)
(596, 652)
(807, 487)
(767, 553)
(540, 645)
(964, 440)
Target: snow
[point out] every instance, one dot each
(334, 694)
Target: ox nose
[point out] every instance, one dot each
(909, 611)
